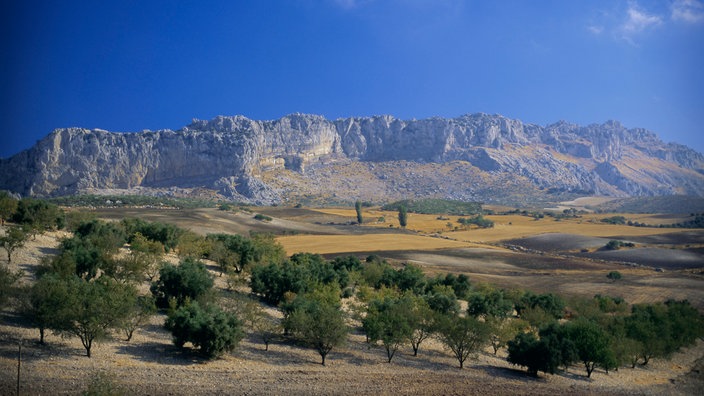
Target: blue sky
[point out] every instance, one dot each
(133, 65)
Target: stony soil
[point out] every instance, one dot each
(150, 364)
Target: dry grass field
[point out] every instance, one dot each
(549, 260)
(330, 244)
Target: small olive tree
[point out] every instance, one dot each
(319, 324)
(138, 315)
(8, 205)
(96, 307)
(14, 239)
(388, 321)
(464, 336)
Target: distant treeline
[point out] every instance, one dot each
(697, 221)
(131, 200)
(436, 206)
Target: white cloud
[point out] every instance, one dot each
(690, 11)
(638, 20)
(594, 29)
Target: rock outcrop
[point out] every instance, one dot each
(234, 154)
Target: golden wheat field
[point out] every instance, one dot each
(514, 226)
(327, 244)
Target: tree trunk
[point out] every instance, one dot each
(87, 343)
(323, 356)
(41, 335)
(390, 352)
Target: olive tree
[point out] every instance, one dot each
(388, 321)
(7, 283)
(97, 307)
(138, 315)
(319, 324)
(14, 239)
(8, 205)
(592, 344)
(464, 336)
(47, 301)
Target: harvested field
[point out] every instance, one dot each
(559, 242)
(325, 244)
(669, 259)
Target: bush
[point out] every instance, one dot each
(615, 245)
(262, 217)
(478, 220)
(188, 281)
(166, 234)
(301, 273)
(547, 353)
(614, 220)
(103, 383)
(614, 275)
(37, 215)
(208, 328)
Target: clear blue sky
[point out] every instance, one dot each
(133, 65)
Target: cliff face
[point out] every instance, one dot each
(232, 154)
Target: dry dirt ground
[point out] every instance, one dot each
(150, 364)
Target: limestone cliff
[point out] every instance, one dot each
(237, 156)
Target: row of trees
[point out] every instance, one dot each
(651, 330)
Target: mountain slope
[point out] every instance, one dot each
(475, 156)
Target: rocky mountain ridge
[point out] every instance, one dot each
(246, 159)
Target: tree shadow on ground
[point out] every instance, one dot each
(32, 350)
(509, 373)
(47, 251)
(14, 319)
(281, 352)
(354, 357)
(167, 354)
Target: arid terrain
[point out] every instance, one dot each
(543, 255)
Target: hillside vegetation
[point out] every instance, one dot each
(415, 303)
